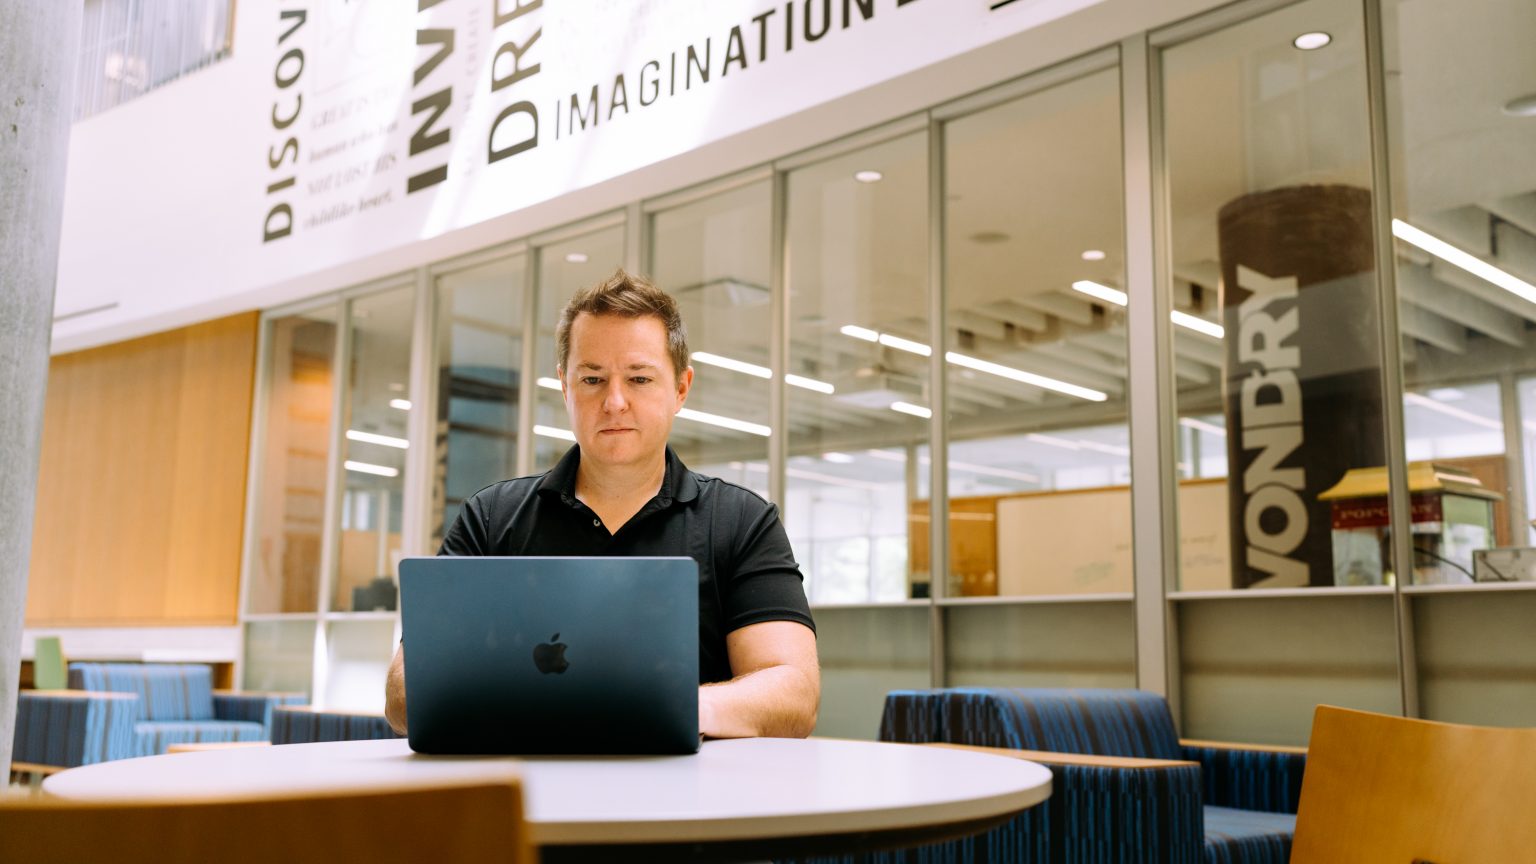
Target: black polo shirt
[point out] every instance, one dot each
(747, 571)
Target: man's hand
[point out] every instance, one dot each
(394, 692)
(777, 689)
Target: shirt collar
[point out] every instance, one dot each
(677, 484)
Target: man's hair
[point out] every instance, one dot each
(629, 297)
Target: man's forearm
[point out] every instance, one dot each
(776, 702)
(394, 693)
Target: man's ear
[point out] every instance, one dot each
(560, 373)
(684, 384)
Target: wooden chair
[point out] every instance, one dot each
(479, 822)
(1388, 789)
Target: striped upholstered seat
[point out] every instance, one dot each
(305, 724)
(121, 710)
(1237, 806)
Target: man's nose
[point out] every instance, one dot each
(613, 399)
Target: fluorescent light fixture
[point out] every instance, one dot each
(1447, 394)
(734, 365)
(1102, 292)
(809, 384)
(402, 404)
(1052, 441)
(1449, 411)
(1463, 259)
(372, 438)
(1119, 298)
(857, 332)
(1023, 377)
(370, 468)
(837, 458)
(576, 257)
(549, 383)
(1111, 449)
(1312, 41)
(725, 422)
(989, 471)
(914, 410)
(868, 176)
(1198, 324)
(1093, 255)
(907, 345)
(552, 432)
(1208, 428)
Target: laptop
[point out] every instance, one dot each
(551, 655)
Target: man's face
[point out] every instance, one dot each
(620, 389)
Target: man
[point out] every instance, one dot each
(624, 374)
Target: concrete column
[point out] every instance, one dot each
(39, 43)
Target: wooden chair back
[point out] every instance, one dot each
(1389, 789)
(480, 822)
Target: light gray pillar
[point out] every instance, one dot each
(38, 46)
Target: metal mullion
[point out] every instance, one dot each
(255, 457)
(1398, 497)
(420, 428)
(778, 340)
(330, 540)
(527, 388)
(1153, 414)
(634, 251)
(938, 421)
(1514, 454)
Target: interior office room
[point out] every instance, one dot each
(1184, 350)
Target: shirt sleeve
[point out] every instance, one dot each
(467, 535)
(765, 584)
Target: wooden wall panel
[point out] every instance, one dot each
(141, 487)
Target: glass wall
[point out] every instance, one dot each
(373, 450)
(712, 254)
(284, 572)
(1286, 593)
(857, 266)
(1461, 110)
(1278, 360)
(1035, 354)
(479, 380)
(563, 267)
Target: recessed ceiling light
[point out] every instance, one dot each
(837, 458)
(868, 176)
(1093, 254)
(576, 257)
(1522, 106)
(1312, 41)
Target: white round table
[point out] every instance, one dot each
(736, 798)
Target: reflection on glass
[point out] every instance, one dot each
(285, 575)
(564, 268)
(858, 261)
(712, 256)
(1039, 453)
(373, 448)
(1464, 200)
(479, 345)
(279, 656)
(1276, 336)
(357, 659)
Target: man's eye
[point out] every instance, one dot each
(640, 379)
(591, 380)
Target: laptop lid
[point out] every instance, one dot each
(551, 655)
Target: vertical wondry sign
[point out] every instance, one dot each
(1303, 401)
